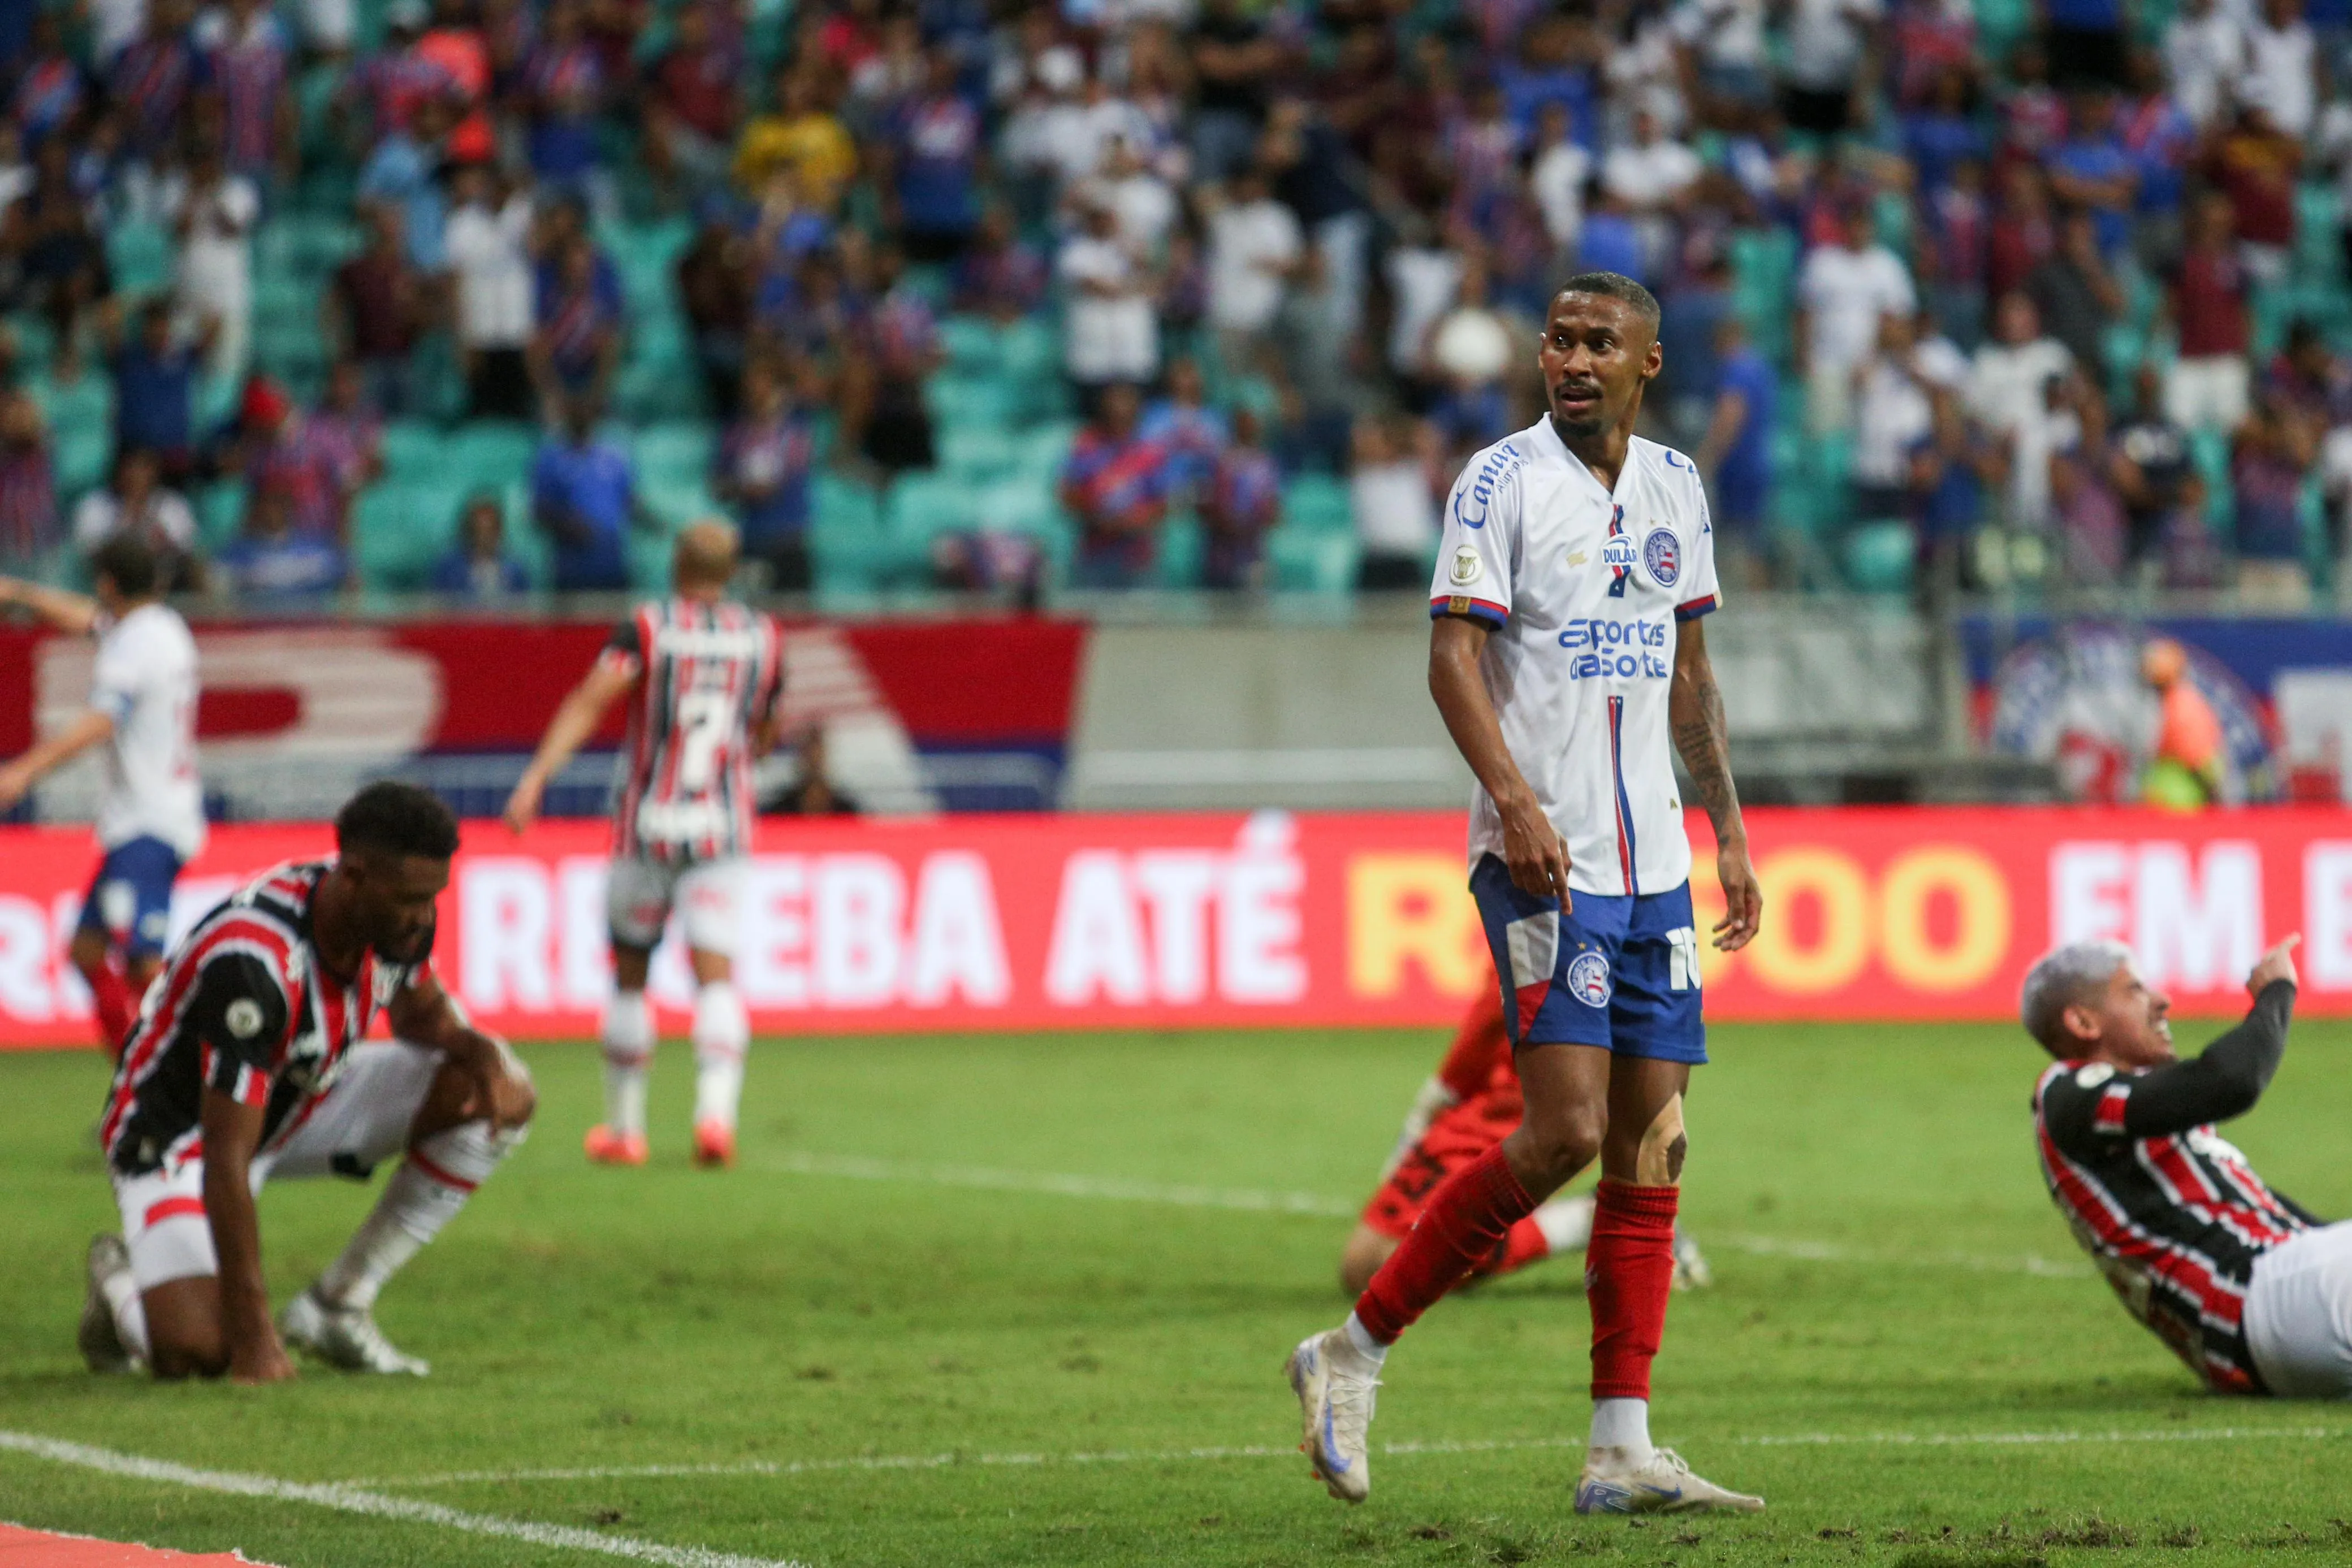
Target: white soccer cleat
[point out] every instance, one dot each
(1335, 1386)
(1664, 1485)
(100, 1341)
(1691, 1272)
(345, 1337)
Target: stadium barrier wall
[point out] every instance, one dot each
(1025, 922)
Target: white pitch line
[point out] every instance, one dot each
(1251, 1200)
(344, 1497)
(869, 1462)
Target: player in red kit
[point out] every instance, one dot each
(1568, 660)
(702, 674)
(1470, 1104)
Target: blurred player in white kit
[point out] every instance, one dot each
(142, 709)
(703, 675)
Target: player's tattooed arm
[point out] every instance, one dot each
(1703, 738)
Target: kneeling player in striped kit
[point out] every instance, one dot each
(247, 1063)
(2243, 1283)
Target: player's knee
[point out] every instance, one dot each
(1658, 1161)
(1562, 1144)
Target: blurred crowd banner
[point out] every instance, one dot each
(1023, 922)
(2070, 693)
(920, 715)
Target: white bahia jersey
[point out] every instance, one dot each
(146, 682)
(1584, 591)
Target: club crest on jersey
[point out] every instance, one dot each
(1662, 553)
(1588, 979)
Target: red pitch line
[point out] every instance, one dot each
(22, 1548)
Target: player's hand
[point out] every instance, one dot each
(503, 1095)
(1533, 851)
(522, 806)
(1743, 899)
(264, 1361)
(2278, 964)
(15, 783)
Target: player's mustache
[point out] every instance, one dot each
(1574, 388)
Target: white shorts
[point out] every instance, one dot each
(2299, 1315)
(643, 891)
(362, 1122)
(2208, 392)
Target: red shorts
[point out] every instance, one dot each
(1458, 1135)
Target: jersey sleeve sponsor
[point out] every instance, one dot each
(1480, 538)
(1702, 593)
(239, 1016)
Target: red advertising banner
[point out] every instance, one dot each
(1027, 922)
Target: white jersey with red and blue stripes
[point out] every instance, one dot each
(1585, 589)
(247, 1008)
(709, 676)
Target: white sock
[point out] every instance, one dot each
(121, 1294)
(1624, 1424)
(423, 1195)
(628, 1057)
(1566, 1223)
(1365, 1345)
(723, 1034)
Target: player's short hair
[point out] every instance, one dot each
(398, 819)
(127, 562)
(1614, 285)
(2063, 977)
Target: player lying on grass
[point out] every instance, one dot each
(2248, 1287)
(703, 675)
(247, 1063)
(1568, 659)
(1470, 1104)
(151, 822)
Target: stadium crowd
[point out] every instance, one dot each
(494, 296)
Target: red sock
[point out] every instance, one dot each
(1629, 1271)
(111, 992)
(1464, 1220)
(1524, 1244)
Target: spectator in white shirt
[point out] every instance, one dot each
(2007, 375)
(1650, 174)
(2204, 54)
(1143, 205)
(487, 243)
(1394, 503)
(213, 212)
(1110, 324)
(1894, 411)
(1557, 180)
(1726, 38)
(1255, 248)
(137, 502)
(1846, 287)
(2282, 70)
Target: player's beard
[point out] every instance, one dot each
(1571, 430)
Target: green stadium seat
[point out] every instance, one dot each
(1183, 549)
(958, 400)
(139, 256)
(220, 512)
(78, 456)
(1879, 556)
(673, 453)
(970, 343)
(415, 450)
(1311, 560)
(400, 529)
(920, 506)
(978, 453)
(1316, 503)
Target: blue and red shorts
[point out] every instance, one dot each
(1616, 972)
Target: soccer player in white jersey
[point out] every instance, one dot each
(250, 1061)
(1565, 656)
(142, 709)
(704, 675)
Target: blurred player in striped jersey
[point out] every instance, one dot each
(702, 674)
(1468, 1106)
(142, 709)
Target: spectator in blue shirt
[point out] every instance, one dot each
(761, 471)
(1941, 134)
(584, 493)
(402, 171)
(1736, 455)
(2091, 170)
(154, 382)
(934, 142)
(271, 564)
(478, 566)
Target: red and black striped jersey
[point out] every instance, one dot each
(2175, 1221)
(245, 1007)
(709, 674)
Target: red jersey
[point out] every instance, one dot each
(708, 675)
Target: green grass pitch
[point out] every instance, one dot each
(940, 1358)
